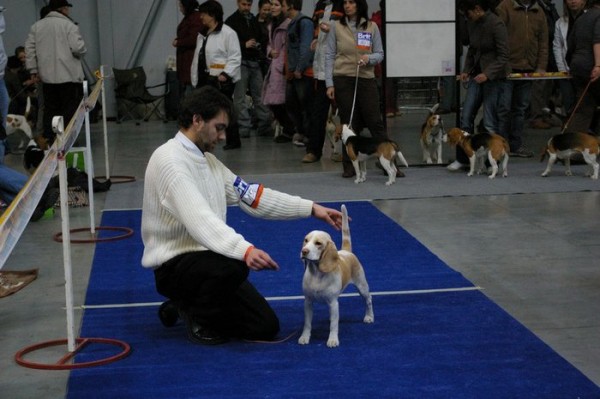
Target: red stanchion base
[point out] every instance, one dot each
(62, 364)
(127, 232)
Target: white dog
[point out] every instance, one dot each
(327, 273)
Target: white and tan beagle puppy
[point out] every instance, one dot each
(360, 149)
(478, 147)
(431, 139)
(327, 272)
(563, 146)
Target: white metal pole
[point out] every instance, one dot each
(89, 163)
(104, 127)
(58, 126)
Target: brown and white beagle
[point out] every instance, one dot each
(431, 139)
(360, 149)
(563, 146)
(327, 272)
(480, 145)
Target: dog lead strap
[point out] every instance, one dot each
(354, 98)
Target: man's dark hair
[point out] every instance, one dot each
(189, 6)
(205, 102)
(295, 4)
(468, 5)
(212, 8)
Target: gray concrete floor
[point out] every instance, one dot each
(534, 255)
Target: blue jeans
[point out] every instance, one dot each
(4, 101)
(517, 97)
(11, 182)
(2, 150)
(473, 100)
(252, 80)
(495, 112)
(299, 95)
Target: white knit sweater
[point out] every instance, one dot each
(186, 195)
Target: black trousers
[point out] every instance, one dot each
(319, 114)
(367, 112)
(214, 289)
(60, 99)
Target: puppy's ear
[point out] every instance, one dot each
(329, 258)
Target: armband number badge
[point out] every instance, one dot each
(248, 193)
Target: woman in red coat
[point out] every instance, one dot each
(185, 43)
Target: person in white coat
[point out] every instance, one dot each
(217, 60)
(54, 49)
(571, 10)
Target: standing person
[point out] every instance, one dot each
(217, 60)
(185, 43)
(484, 72)
(250, 37)
(354, 46)
(542, 91)
(274, 86)
(4, 100)
(528, 52)
(200, 263)
(54, 49)
(325, 14)
(299, 73)
(387, 86)
(572, 9)
(584, 62)
(486, 63)
(264, 20)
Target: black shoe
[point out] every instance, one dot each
(47, 201)
(282, 138)
(348, 170)
(199, 334)
(168, 313)
(231, 146)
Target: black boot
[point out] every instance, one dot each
(168, 313)
(348, 169)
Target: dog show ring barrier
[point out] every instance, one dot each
(114, 179)
(14, 220)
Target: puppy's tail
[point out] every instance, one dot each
(346, 240)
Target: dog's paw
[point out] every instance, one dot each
(544, 174)
(357, 180)
(491, 176)
(569, 173)
(333, 342)
(504, 174)
(389, 182)
(470, 174)
(304, 339)
(368, 319)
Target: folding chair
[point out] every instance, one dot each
(131, 92)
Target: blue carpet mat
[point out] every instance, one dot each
(434, 345)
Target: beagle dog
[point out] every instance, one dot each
(431, 139)
(359, 149)
(562, 146)
(480, 145)
(35, 153)
(327, 272)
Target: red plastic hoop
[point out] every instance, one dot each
(127, 233)
(61, 364)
